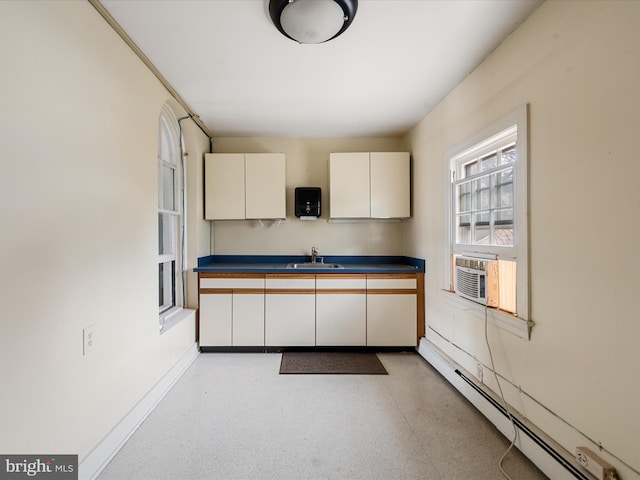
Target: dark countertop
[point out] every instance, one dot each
(278, 264)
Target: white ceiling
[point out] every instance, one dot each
(396, 61)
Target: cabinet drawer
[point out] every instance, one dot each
(344, 283)
(290, 283)
(391, 283)
(232, 283)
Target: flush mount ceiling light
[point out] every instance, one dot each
(312, 21)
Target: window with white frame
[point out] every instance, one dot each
(170, 217)
(487, 208)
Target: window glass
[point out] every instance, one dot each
(470, 169)
(166, 286)
(489, 162)
(482, 195)
(168, 199)
(503, 227)
(508, 155)
(166, 150)
(464, 197)
(166, 234)
(464, 229)
(481, 228)
(503, 189)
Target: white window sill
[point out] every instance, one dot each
(173, 317)
(510, 323)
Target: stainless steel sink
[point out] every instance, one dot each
(314, 265)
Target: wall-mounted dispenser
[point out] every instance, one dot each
(307, 203)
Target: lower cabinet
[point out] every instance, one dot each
(306, 310)
(289, 314)
(392, 311)
(341, 310)
(231, 311)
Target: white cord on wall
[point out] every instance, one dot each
(504, 402)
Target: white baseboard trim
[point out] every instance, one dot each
(540, 449)
(101, 455)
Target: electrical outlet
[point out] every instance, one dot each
(88, 339)
(595, 465)
(479, 372)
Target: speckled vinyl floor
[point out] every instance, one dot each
(232, 416)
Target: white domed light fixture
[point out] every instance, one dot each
(312, 21)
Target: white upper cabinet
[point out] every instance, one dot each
(224, 186)
(370, 185)
(242, 186)
(265, 185)
(390, 179)
(349, 185)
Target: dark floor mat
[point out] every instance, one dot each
(349, 363)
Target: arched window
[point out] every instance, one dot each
(170, 216)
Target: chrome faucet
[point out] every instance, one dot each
(314, 254)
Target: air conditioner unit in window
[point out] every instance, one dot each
(477, 279)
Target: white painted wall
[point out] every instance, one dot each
(307, 166)
(78, 238)
(576, 64)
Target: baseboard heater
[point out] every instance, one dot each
(523, 428)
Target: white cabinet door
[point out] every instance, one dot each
(341, 310)
(391, 320)
(265, 185)
(290, 320)
(224, 186)
(290, 311)
(215, 319)
(341, 319)
(390, 185)
(248, 319)
(349, 185)
(392, 311)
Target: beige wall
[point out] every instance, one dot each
(307, 162)
(576, 65)
(196, 144)
(78, 244)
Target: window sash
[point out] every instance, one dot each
(484, 207)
